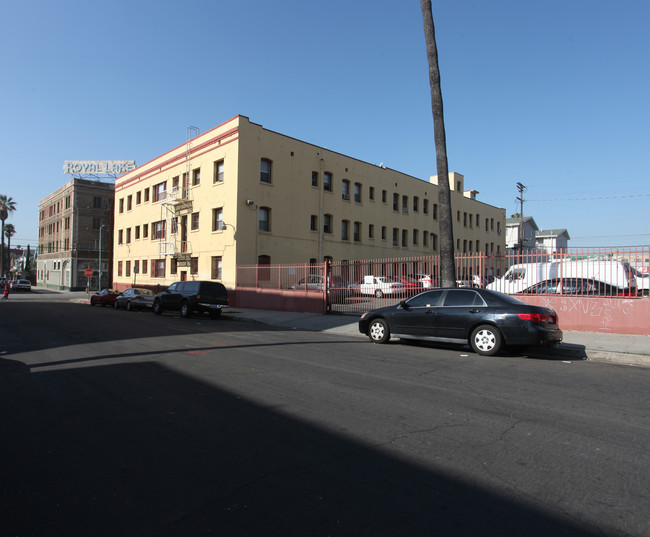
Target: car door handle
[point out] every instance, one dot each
(475, 311)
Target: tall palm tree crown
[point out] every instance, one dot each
(7, 206)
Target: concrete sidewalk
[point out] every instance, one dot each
(619, 349)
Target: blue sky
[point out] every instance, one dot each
(551, 94)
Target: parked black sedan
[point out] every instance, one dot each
(135, 298)
(488, 320)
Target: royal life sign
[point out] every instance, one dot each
(110, 167)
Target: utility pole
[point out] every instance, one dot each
(521, 187)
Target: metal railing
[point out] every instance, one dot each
(577, 272)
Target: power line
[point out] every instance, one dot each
(596, 198)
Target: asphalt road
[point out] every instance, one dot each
(129, 424)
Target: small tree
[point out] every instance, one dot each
(447, 261)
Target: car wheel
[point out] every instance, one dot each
(128, 306)
(102, 303)
(115, 305)
(486, 340)
(91, 302)
(157, 307)
(378, 331)
(185, 309)
(378, 293)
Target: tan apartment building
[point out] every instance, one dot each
(240, 194)
(74, 235)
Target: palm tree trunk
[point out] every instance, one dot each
(447, 261)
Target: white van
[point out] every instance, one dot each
(520, 277)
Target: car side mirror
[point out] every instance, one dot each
(404, 305)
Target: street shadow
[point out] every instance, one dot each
(140, 450)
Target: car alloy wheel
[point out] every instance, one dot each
(157, 307)
(185, 309)
(486, 340)
(378, 331)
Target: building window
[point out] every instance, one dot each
(383, 233)
(146, 195)
(345, 189)
(405, 204)
(136, 266)
(395, 202)
(194, 265)
(96, 223)
(371, 231)
(128, 269)
(357, 192)
(137, 232)
(195, 221)
(138, 197)
(173, 265)
(119, 268)
(196, 177)
(405, 237)
(120, 237)
(145, 231)
(344, 230)
(395, 236)
(264, 219)
(327, 181)
(121, 205)
(327, 223)
(215, 270)
(157, 268)
(425, 206)
(435, 211)
(357, 232)
(129, 203)
(218, 171)
(434, 241)
(128, 235)
(415, 237)
(217, 219)
(159, 191)
(314, 178)
(97, 203)
(371, 193)
(313, 222)
(144, 266)
(425, 238)
(158, 230)
(416, 203)
(265, 171)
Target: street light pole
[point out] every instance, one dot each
(100, 256)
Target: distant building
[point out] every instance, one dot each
(520, 236)
(552, 240)
(240, 194)
(533, 240)
(72, 222)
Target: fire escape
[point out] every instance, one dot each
(177, 207)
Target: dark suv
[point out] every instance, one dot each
(187, 297)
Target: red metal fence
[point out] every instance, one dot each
(358, 286)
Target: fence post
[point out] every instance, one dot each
(327, 270)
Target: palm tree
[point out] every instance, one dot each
(7, 206)
(447, 261)
(10, 231)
